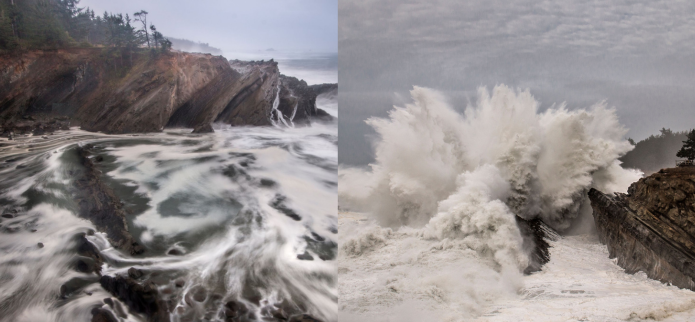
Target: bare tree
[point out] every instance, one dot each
(141, 16)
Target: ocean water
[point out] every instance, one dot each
(226, 216)
(429, 232)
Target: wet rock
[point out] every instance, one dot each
(98, 203)
(179, 283)
(325, 89)
(299, 100)
(91, 260)
(8, 216)
(279, 203)
(99, 158)
(317, 236)
(102, 315)
(267, 183)
(536, 235)
(325, 249)
(73, 286)
(651, 228)
(135, 273)
(305, 257)
(234, 309)
(141, 298)
(175, 252)
(40, 245)
(12, 229)
(196, 294)
(204, 128)
(207, 88)
(303, 318)
(86, 265)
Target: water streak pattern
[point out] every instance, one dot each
(245, 214)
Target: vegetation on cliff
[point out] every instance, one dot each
(53, 24)
(688, 149)
(655, 152)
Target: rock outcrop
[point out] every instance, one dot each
(144, 93)
(99, 204)
(652, 227)
(536, 235)
(325, 89)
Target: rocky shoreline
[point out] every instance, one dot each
(42, 91)
(151, 293)
(46, 91)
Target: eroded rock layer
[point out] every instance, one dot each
(143, 93)
(652, 227)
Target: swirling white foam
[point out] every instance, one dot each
(444, 191)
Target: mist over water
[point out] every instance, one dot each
(432, 227)
(222, 216)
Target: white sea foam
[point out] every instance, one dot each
(450, 185)
(224, 201)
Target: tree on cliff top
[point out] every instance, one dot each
(688, 149)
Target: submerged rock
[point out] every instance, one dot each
(141, 298)
(204, 128)
(651, 228)
(99, 204)
(102, 315)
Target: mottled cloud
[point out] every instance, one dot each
(639, 56)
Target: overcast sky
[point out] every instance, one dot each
(240, 26)
(639, 56)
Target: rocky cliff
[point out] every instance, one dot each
(145, 93)
(652, 227)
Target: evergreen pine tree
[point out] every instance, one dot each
(688, 149)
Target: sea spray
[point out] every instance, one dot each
(451, 185)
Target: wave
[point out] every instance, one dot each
(448, 187)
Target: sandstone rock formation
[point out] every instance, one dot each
(146, 93)
(652, 227)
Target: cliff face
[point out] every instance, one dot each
(652, 228)
(140, 94)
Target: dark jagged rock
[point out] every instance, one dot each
(305, 257)
(141, 298)
(536, 235)
(100, 205)
(204, 128)
(651, 228)
(279, 203)
(135, 273)
(90, 260)
(298, 101)
(325, 89)
(40, 125)
(102, 315)
(303, 318)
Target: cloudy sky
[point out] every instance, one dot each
(639, 56)
(240, 26)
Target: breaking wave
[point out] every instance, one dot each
(451, 185)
